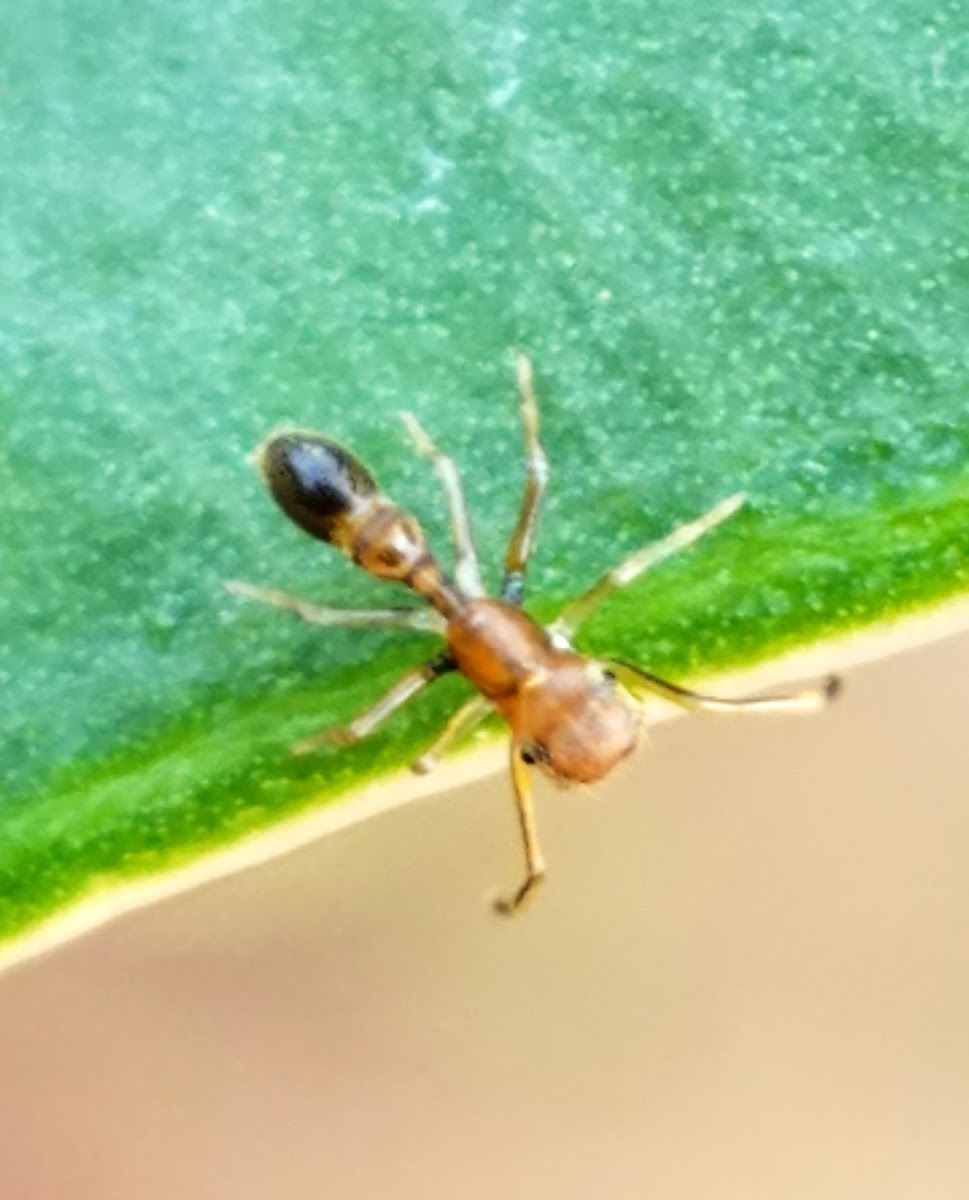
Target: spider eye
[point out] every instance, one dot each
(534, 752)
(605, 684)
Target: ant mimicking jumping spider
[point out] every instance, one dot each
(571, 716)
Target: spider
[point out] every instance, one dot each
(570, 716)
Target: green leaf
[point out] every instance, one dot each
(733, 241)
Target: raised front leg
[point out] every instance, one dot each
(523, 538)
(406, 688)
(640, 683)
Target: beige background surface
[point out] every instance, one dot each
(748, 976)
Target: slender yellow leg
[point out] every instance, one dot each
(641, 683)
(466, 571)
(523, 538)
(574, 614)
(317, 614)
(462, 721)
(403, 690)
(534, 862)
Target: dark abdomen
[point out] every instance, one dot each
(329, 493)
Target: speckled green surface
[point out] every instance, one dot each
(733, 241)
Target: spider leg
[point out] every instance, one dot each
(425, 619)
(462, 721)
(580, 609)
(405, 689)
(523, 538)
(640, 683)
(534, 862)
(467, 571)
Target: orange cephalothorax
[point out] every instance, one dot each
(497, 646)
(566, 711)
(573, 720)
